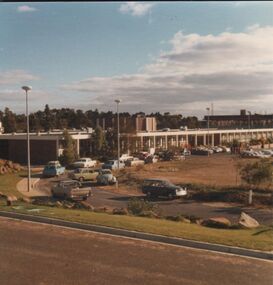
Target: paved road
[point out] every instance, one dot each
(44, 254)
(103, 198)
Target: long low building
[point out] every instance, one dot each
(195, 137)
(49, 145)
(44, 146)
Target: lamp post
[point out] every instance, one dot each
(208, 109)
(118, 102)
(27, 88)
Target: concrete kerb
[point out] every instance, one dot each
(143, 236)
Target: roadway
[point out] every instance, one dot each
(44, 254)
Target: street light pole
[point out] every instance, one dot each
(27, 88)
(118, 102)
(208, 109)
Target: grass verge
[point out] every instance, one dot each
(8, 184)
(259, 239)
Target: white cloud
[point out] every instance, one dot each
(230, 69)
(15, 77)
(136, 8)
(25, 8)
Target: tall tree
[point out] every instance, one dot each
(9, 121)
(69, 153)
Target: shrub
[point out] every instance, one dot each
(139, 207)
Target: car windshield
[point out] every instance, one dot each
(50, 167)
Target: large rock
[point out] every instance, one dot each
(248, 222)
(120, 211)
(217, 222)
(11, 199)
(83, 205)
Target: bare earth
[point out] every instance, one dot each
(215, 170)
(44, 254)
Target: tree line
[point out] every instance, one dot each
(69, 118)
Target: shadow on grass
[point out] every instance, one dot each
(263, 231)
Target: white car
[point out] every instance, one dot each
(84, 162)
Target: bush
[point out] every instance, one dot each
(139, 207)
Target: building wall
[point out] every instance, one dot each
(41, 151)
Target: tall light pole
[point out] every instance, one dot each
(208, 109)
(27, 88)
(118, 102)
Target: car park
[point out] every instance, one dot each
(106, 177)
(164, 188)
(84, 162)
(71, 189)
(84, 174)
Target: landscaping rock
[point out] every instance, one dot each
(248, 222)
(83, 205)
(217, 222)
(58, 204)
(11, 199)
(120, 211)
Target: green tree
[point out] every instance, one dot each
(69, 153)
(9, 121)
(99, 140)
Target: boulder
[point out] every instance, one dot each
(58, 204)
(217, 222)
(120, 211)
(245, 221)
(11, 199)
(83, 205)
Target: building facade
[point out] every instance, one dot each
(244, 120)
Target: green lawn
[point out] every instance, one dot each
(8, 184)
(259, 239)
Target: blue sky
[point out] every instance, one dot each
(176, 56)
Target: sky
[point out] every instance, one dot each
(177, 57)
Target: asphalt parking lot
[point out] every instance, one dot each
(165, 207)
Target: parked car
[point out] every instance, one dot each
(53, 170)
(151, 159)
(159, 187)
(106, 177)
(166, 130)
(54, 163)
(134, 162)
(84, 162)
(186, 152)
(113, 164)
(71, 189)
(83, 174)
